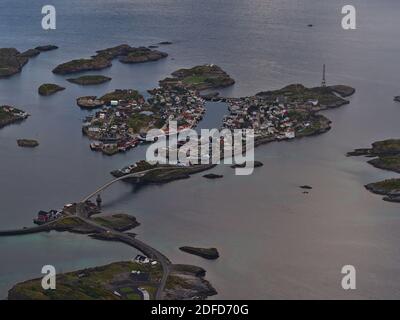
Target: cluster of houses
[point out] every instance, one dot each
(47, 216)
(268, 119)
(124, 124)
(44, 217)
(178, 104)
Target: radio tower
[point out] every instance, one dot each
(323, 84)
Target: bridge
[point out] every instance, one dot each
(136, 175)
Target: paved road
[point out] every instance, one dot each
(141, 246)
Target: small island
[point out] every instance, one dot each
(386, 156)
(254, 164)
(49, 89)
(27, 143)
(390, 188)
(103, 59)
(9, 115)
(89, 80)
(206, 253)
(199, 78)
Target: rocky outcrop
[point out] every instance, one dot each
(30, 53)
(187, 282)
(11, 62)
(213, 176)
(89, 80)
(49, 89)
(49, 47)
(27, 143)
(207, 253)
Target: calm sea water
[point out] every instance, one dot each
(274, 241)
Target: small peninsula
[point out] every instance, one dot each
(103, 59)
(89, 80)
(9, 115)
(49, 89)
(12, 61)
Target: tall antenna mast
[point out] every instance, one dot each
(323, 84)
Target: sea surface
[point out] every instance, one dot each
(275, 242)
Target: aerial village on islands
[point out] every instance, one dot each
(123, 124)
(122, 120)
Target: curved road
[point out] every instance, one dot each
(149, 251)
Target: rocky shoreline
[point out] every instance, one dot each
(12, 61)
(386, 156)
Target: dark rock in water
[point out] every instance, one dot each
(310, 25)
(46, 48)
(210, 253)
(165, 43)
(397, 98)
(152, 47)
(213, 176)
(30, 53)
(48, 89)
(306, 187)
(27, 143)
(256, 164)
